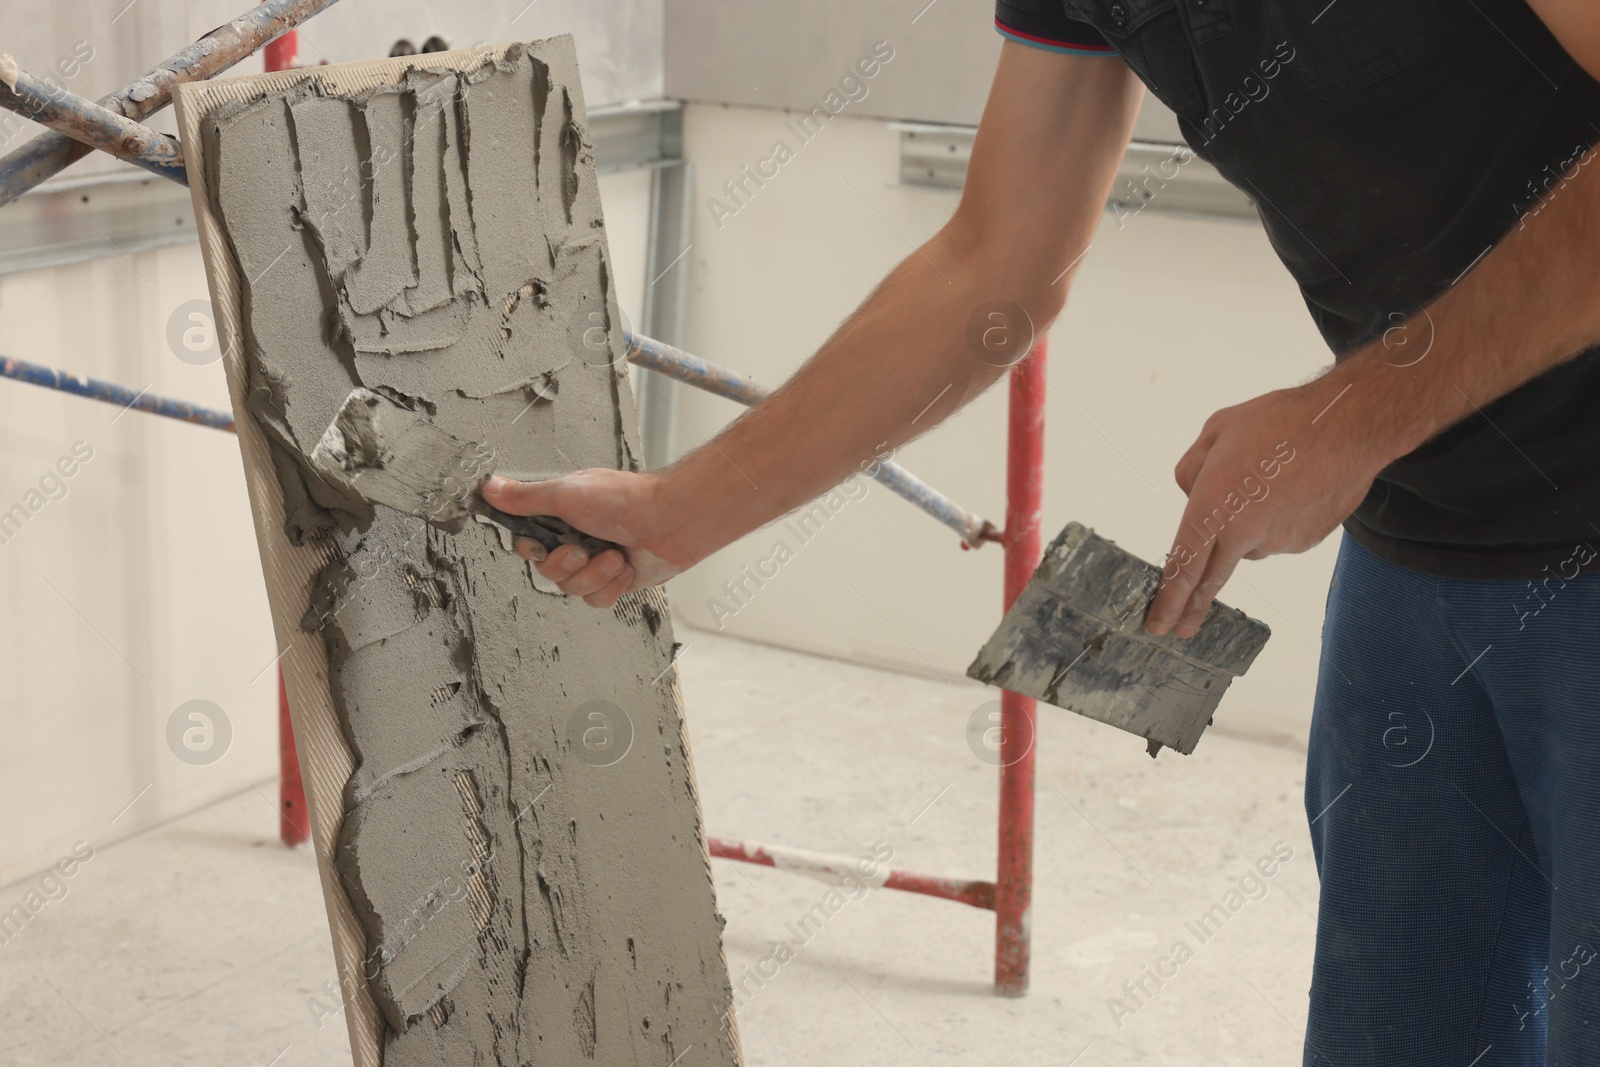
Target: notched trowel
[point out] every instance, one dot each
(1075, 638)
(378, 452)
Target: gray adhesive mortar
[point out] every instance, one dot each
(436, 241)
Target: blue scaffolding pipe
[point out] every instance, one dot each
(50, 153)
(741, 388)
(86, 121)
(112, 393)
(643, 351)
(679, 365)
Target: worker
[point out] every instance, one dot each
(1422, 168)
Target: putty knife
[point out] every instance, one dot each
(384, 453)
(1075, 638)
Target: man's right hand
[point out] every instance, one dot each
(617, 506)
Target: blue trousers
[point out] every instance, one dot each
(1453, 789)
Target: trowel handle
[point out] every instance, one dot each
(549, 531)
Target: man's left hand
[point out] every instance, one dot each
(1274, 474)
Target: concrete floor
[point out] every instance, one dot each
(204, 941)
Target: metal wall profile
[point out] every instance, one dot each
(70, 220)
(638, 134)
(1159, 175)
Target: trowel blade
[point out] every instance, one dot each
(376, 451)
(387, 454)
(1075, 638)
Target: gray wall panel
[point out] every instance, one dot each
(790, 53)
(776, 53)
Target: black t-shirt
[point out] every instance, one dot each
(1388, 145)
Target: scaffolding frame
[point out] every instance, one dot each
(112, 125)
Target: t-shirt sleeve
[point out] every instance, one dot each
(1044, 24)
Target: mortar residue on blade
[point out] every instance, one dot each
(377, 452)
(1075, 638)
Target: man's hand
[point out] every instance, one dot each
(1274, 474)
(614, 505)
(1529, 304)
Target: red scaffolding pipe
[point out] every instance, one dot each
(281, 53)
(1024, 497)
(294, 823)
(831, 867)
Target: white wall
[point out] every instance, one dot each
(140, 588)
(1170, 318)
(135, 592)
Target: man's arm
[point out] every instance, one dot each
(1531, 303)
(1576, 24)
(1053, 132)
